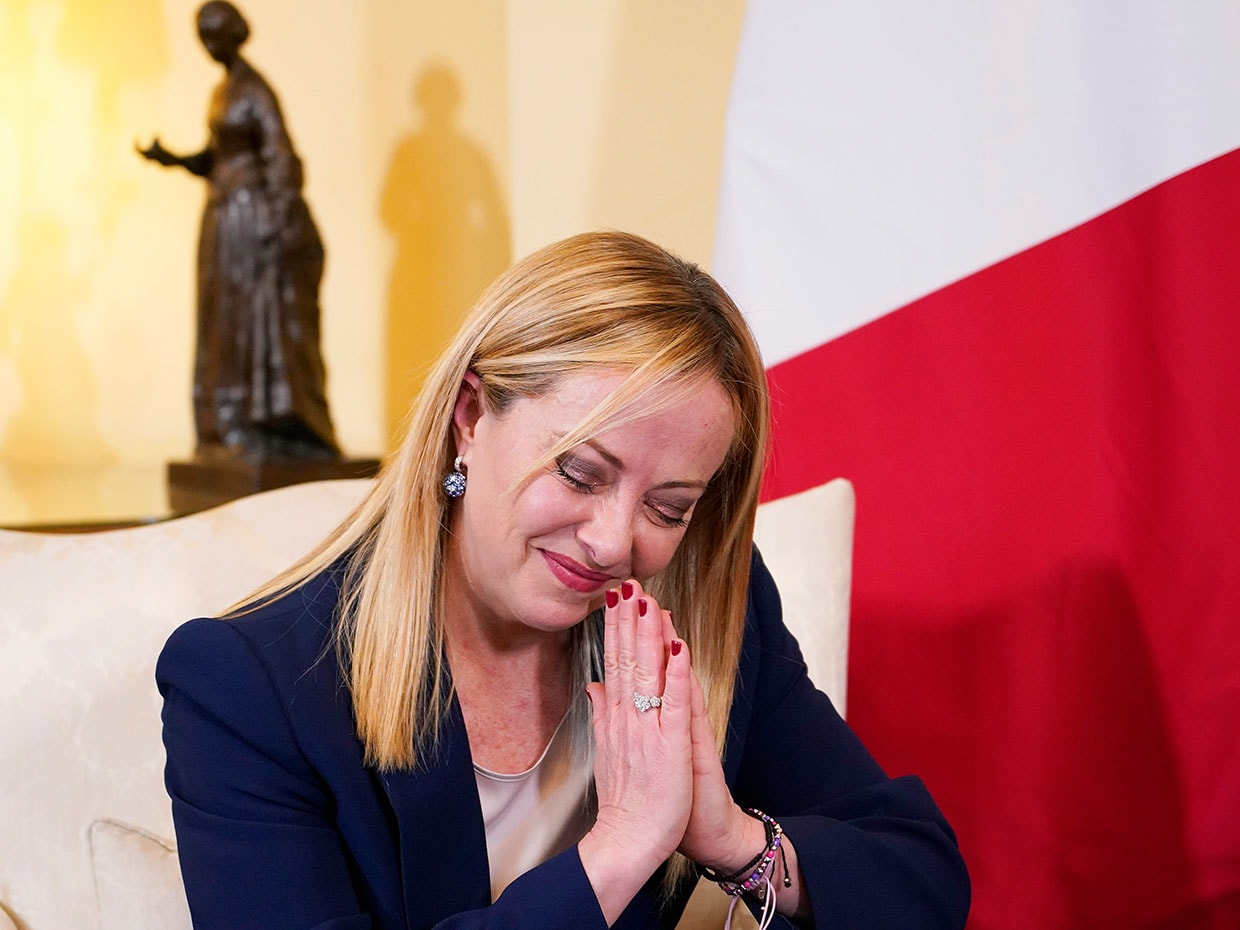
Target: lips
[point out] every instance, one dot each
(573, 574)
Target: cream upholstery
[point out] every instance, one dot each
(82, 618)
(806, 541)
(137, 879)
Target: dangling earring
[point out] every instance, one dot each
(454, 481)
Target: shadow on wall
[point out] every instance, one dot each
(442, 205)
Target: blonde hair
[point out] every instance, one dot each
(598, 301)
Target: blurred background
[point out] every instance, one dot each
(440, 141)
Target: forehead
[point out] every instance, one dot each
(683, 416)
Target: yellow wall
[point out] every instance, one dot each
(440, 141)
(617, 117)
(440, 118)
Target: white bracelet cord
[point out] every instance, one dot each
(768, 907)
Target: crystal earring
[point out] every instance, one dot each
(454, 481)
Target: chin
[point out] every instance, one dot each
(561, 616)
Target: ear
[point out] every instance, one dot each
(466, 412)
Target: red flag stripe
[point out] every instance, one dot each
(1047, 591)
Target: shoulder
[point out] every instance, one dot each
(281, 640)
(268, 678)
(248, 83)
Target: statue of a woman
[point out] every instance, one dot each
(258, 374)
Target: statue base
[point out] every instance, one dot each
(198, 485)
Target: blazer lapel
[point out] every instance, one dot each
(443, 848)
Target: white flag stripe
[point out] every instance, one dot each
(877, 152)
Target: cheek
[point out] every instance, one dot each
(547, 505)
(653, 550)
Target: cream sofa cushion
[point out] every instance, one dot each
(82, 619)
(137, 879)
(806, 541)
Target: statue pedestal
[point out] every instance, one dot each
(198, 485)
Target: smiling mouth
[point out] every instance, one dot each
(573, 574)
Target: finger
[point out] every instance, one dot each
(598, 717)
(611, 645)
(668, 633)
(625, 656)
(698, 696)
(669, 629)
(676, 713)
(651, 655)
(702, 731)
(598, 702)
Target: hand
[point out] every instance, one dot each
(643, 769)
(718, 832)
(157, 153)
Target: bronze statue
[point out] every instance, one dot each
(258, 373)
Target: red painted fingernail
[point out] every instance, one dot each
(626, 590)
(613, 597)
(641, 607)
(676, 646)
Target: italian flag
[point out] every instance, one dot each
(992, 255)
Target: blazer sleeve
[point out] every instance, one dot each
(257, 846)
(874, 851)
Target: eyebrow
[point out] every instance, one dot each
(615, 462)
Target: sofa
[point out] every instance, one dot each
(85, 825)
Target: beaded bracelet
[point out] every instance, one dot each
(755, 875)
(752, 876)
(732, 879)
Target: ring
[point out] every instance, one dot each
(644, 702)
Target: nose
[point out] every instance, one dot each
(607, 534)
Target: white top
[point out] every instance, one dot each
(535, 815)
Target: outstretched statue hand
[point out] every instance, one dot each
(157, 153)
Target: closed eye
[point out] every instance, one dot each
(573, 481)
(668, 516)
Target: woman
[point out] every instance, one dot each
(258, 375)
(395, 734)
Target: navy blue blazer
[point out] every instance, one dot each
(280, 824)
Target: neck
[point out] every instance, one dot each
(514, 684)
(491, 643)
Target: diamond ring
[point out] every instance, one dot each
(644, 702)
